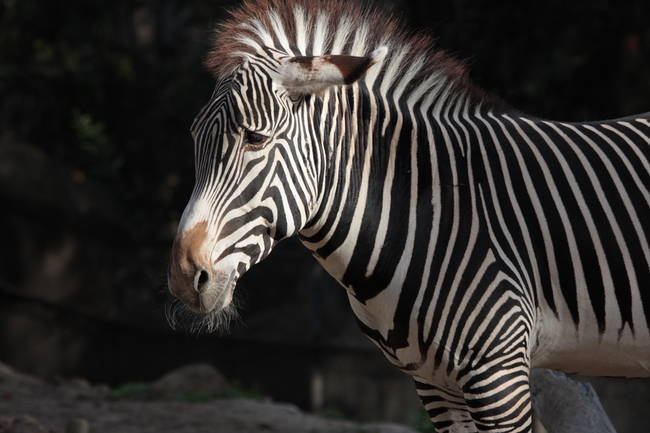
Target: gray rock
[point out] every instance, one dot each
(9, 374)
(60, 406)
(564, 405)
(194, 378)
(23, 424)
(77, 425)
(384, 428)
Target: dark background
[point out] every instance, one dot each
(96, 99)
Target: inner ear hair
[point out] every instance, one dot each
(313, 74)
(353, 67)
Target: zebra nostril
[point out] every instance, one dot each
(201, 280)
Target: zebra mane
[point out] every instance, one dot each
(318, 27)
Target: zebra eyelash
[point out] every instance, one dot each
(254, 139)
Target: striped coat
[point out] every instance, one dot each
(474, 242)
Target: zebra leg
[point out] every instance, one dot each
(499, 399)
(447, 409)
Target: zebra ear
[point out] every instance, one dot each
(306, 75)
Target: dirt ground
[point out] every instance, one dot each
(33, 405)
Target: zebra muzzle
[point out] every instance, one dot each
(214, 291)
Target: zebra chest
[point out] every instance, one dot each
(388, 321)
(396, 335)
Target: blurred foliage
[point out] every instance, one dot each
(196, 397)
(237, 390)
(565, 60)
(109, 89)
(331, 412)
(132, 390)
(419, 421)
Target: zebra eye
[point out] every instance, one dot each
(253, 138)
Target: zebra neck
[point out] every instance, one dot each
(394, 167)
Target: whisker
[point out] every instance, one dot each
(180, 317)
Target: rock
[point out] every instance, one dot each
(5, 423)
(6, 371)
(190, 379)
(24, 424)
(564, 405)
(102, 390)
(9, 374)
(80, 389)
(61, 406)
(384, 428)
(78, 382)
(77, 425)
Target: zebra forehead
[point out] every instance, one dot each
(317, 27)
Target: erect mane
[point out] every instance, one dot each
(318, 27)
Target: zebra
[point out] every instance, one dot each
(474, 242)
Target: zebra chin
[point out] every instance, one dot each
(204, 303)
(215, 311)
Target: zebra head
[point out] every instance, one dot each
(259, 172)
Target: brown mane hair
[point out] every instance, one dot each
(228, 47)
